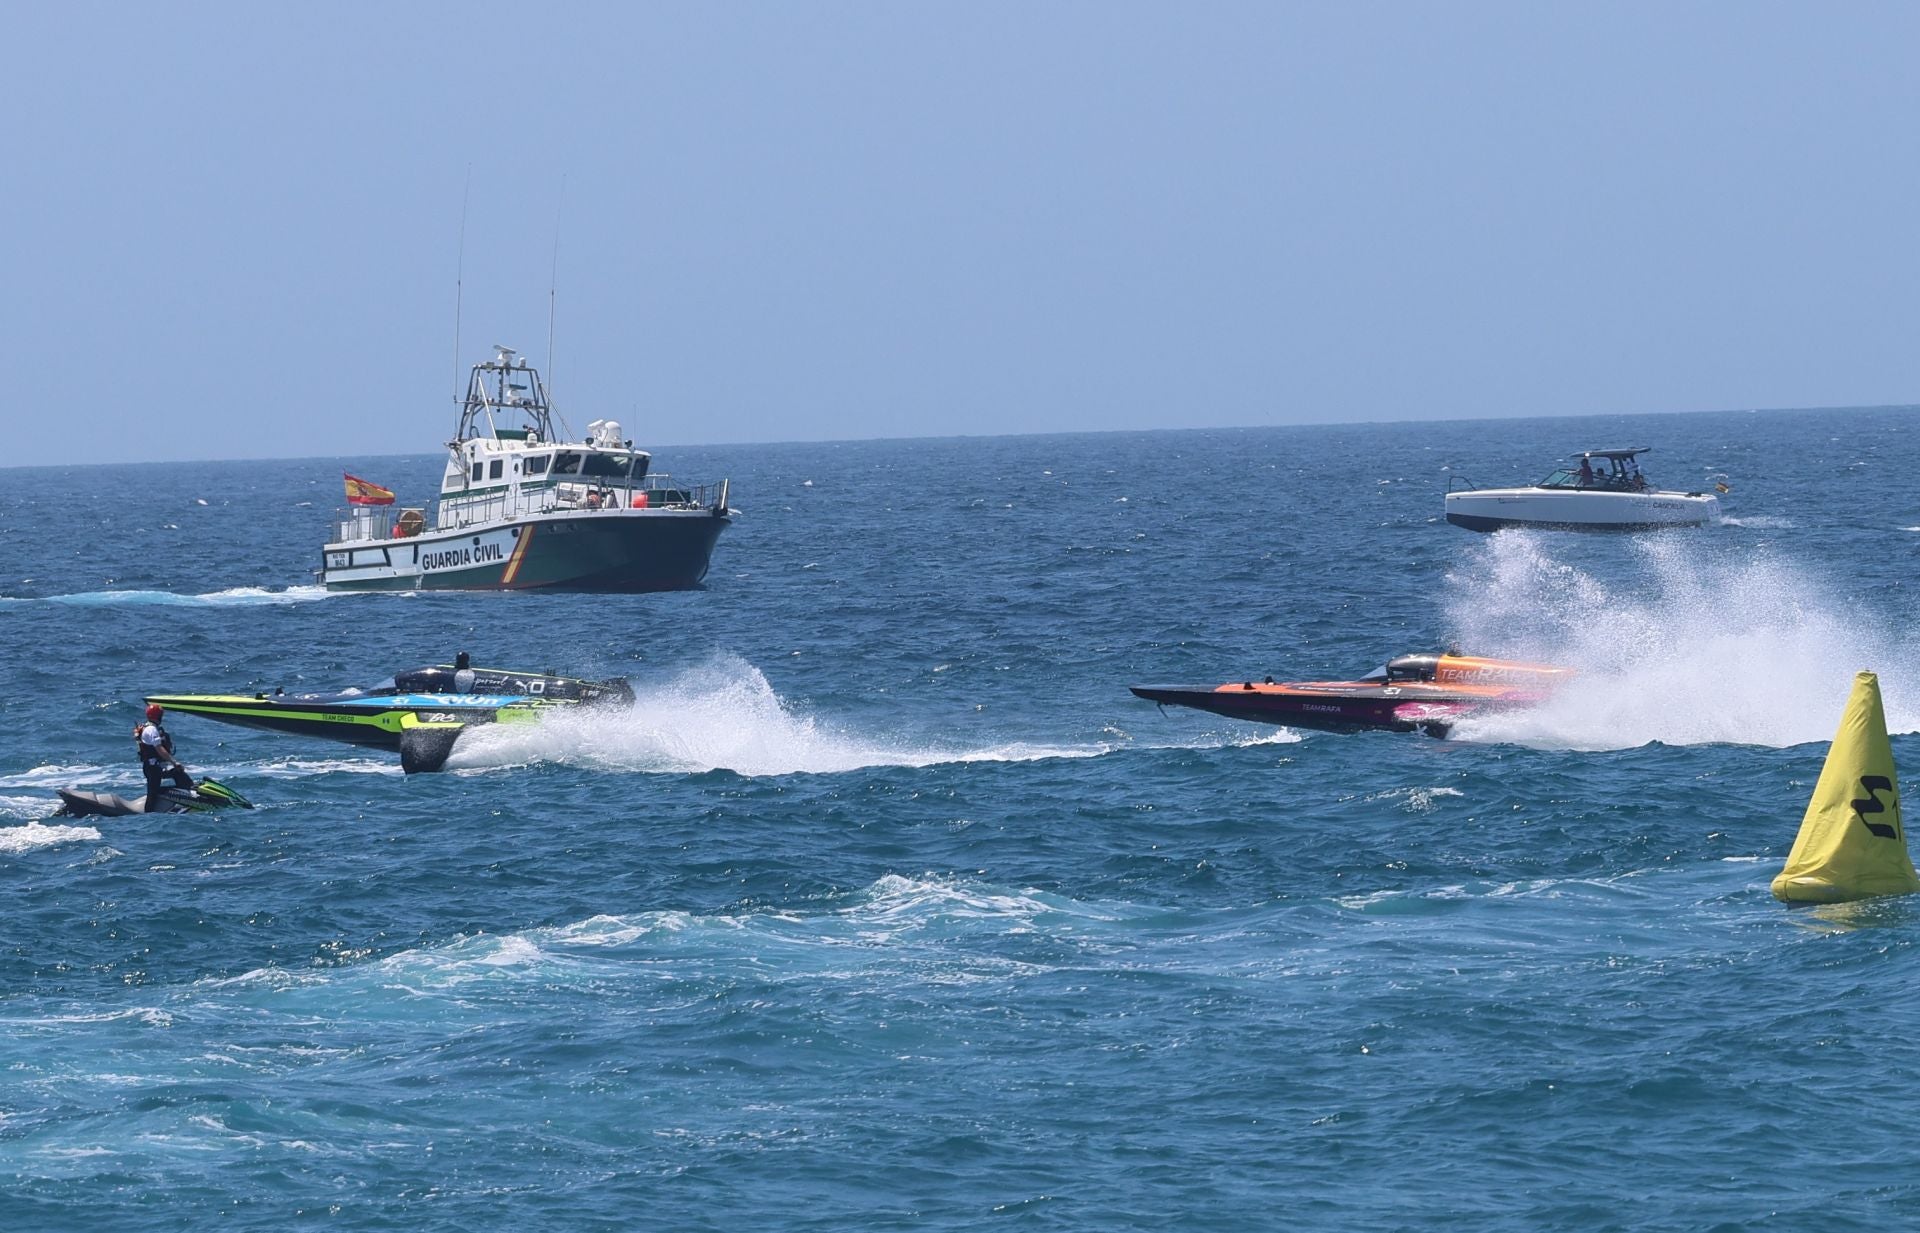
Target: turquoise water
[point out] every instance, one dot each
(887, 906)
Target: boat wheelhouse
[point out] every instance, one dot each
(1606, 491)
(523, 505)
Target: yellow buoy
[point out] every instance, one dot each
(1852, 844)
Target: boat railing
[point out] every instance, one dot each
(586, 495)
(365, 522)
(589, 494)
(1460, 483)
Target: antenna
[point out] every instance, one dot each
(553, 281)
(459, 277)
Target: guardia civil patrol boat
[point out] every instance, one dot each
(523, 506)
(418, 713)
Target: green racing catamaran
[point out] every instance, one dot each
(418, 713)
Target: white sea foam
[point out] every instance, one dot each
(1278, 736)
(147, 1016)
(832, 940)
(231, 597)
(893, 906)
(27, 806)
(895, 901)
(17, 839)
(721, 716)
(1695, 648)
(301, 768)
(616, 931)
(50, 775)
(1414, 799)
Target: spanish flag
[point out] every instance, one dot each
(360, 492)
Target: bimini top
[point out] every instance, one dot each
(1617, 455)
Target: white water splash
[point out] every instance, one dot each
(1695, 648)
(722, 716)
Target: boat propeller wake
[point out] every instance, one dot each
(725, 715)
(232, 597)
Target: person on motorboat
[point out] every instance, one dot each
(156, 758)
(1586, 473)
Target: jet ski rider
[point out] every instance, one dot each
(156, 758)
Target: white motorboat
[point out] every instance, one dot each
(1604, 492)
(522, 506)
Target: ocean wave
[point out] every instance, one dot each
(1424, 900)
(892, 922)
(896, 901)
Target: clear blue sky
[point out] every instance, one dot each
(233, 230)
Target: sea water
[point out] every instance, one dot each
(887, 906)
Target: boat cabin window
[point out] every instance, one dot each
(1378, 674)
(599, 466)
(493, 472)
(537, 465)
(1609, 474)
(476, 469)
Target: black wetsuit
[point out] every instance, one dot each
(158, 764)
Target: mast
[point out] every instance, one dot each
(495, 397)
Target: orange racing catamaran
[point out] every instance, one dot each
(1427, 693)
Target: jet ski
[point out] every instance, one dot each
(1426, 693)
(419, 713)
(208, 796)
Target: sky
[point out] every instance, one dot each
(249, 230)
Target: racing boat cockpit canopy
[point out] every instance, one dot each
(1405, 668)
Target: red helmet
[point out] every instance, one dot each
(154, 712)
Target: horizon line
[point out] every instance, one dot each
(1076, 432)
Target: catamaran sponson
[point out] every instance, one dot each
(419, 712)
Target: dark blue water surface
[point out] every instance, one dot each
(887, 906)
